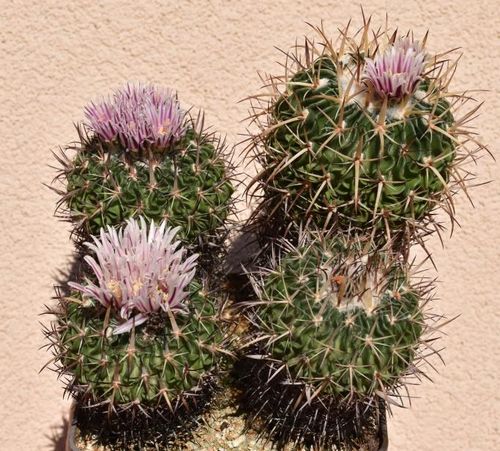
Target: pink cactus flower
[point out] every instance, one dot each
(139, 270)
(396, 72)
(138, 116)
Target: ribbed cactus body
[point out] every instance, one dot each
(157, 363)
(188, 185)
(335, 323)
(360, 141)
(333, 160)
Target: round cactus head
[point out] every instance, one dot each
(140, 330)
(363, 134)
(336, 319)
(140, 154)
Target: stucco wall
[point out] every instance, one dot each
(55, 56)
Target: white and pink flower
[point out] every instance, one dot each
(138, 116)
(396, 72)
(139, 270)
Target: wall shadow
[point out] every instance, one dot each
(57, 436)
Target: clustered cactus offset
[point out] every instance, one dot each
(140, 154)
(141, 277)
(140, 336)
(337, 328)
(361, 136)
(340, 323)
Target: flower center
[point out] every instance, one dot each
(396, 72)
(115, 289)
(165, 127)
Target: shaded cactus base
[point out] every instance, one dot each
(292, 416)
(95, 428)
(225, 427)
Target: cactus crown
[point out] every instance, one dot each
(397, 71)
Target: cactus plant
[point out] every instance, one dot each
(140, 154)
(360, 143)
(339, 318)
(333, 324)
(140, 333)
(361, 134)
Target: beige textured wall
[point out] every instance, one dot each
(55, 56)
